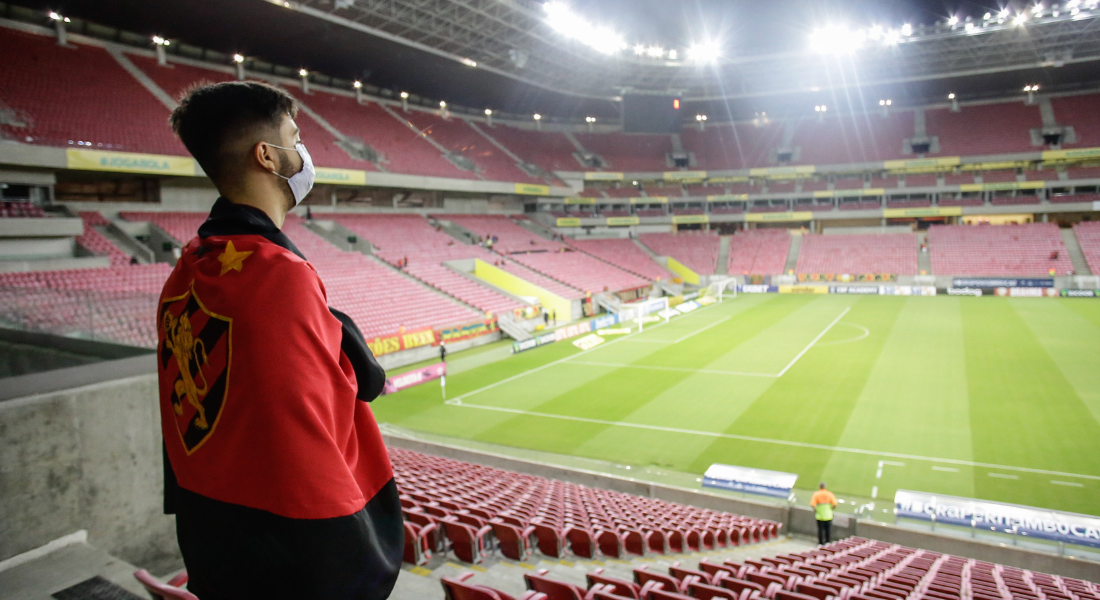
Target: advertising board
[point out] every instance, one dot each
(754, 481)
(416, 377)
(996, 282)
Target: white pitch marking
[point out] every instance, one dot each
(945, 469)
(866, 334)
(1069, 483)
(748, 438)
(814, 341)
(682, 338)
(874, 492)
(681, 369)
(1003, 476)
(892, 463)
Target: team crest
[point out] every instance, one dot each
(194, 353)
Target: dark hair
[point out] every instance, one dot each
(210, 116)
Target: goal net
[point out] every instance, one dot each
(721, 289)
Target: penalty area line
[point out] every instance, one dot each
(812, 342)
(457, 402)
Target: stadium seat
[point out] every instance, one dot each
(418, 543)
(468, 544)
(456, 588)
(554, 590)
(513, 542)
(173, 590)
(620, 587)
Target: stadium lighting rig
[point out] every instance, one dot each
(538, 121)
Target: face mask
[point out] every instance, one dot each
(302, 181)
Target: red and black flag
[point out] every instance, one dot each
(275, 466)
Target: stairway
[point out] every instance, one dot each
(1080, 265)
(723, 267)
(924, 259)
(792, 254)
(127, 243)
(423, 583)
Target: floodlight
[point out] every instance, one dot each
(705, 52)
(537, 117)
(469, 62)
(442, 104)
(488, 112)
(639, 49)
(836, 39)
(404, 95)
(1020, 19)
(1003, 14)
(590, 119)
(987, 16)
(969, 27)
(673, 55)
(237, 58)
(55, 16)
(655, 51)
(357, 84)
(1037, 9)
(303, 73)
(953, 21)
(907, 30)
(951, 96)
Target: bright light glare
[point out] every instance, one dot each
(469, 62)
(357, 84)
(655, 52)
(836, 39)
(537, 117)
(442, 104)
(237, 58)
(953, 20)
(907, 30)
(303, 73)
(951, 96)
(639, 49)
(1020, 19)
(404, 95)
(705, 52)
(563, 20)
(488, 111)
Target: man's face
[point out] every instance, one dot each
(289, 162)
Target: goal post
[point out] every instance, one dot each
(720, 289)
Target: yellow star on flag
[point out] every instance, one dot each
(232, 260)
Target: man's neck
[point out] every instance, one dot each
(269, 201)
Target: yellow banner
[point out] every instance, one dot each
(781, 172)
(787, 216)
(678, 175)
(650, 200)
(129, 162)
(730, 179)
(728, 198)
(921, 163)
(568, 222)
(580, 200)
(683, 271)
(341, 176)
(1007, 185)
(995, 166)
(602, 176)
(824, 194)
(1074, 154)
(684, 219)
(621, 221)
(532, 189)
(936, 211)
(803, 289)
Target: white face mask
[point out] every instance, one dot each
(302, 181)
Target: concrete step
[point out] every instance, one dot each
(40, 573)
(723, 267)
(792, 254)
(1073, 246)
(924, 259)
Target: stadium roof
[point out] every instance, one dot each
(508, 54)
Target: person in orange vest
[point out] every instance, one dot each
(823, 503)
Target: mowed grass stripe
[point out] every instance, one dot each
(1072, 341)
(811, 403)
(915, 402)
(1023, 411)
(620, 391)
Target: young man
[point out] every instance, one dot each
(274, 465)
(823, 503)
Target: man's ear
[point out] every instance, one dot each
(264, 156)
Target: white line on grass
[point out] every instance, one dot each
(1069, 483)
(747, 438)
(874, 492)
(1003, 476)
(865, 335)
(684, 337)
(945, 469)
(561, 360)
(812, 342)
(680, 369)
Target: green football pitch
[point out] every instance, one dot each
(991, 398)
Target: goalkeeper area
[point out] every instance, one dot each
(990, 398)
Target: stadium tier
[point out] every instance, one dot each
(625, 254)
(95, 242)
(100, 106)
(510, 237)
(983, 130)
(1012, 250)
(852, 140)
(578, 270)
(550, 150)
(1088, 236)
(399, 237)
(468, 501)
(629, 151)
(759, 251)
(697, 251)
(459, 137)
(21, 210)
(377, 297)
(115, 303)
(894, 253)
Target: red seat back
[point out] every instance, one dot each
(161, 590)
(554, 590)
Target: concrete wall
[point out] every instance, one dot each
(85, 458)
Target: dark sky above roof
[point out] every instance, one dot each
(271, 33)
